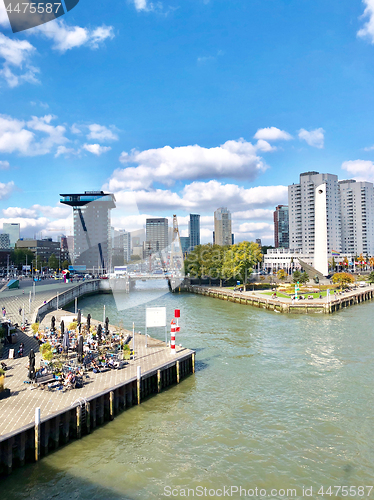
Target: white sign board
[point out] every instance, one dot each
(155, 316)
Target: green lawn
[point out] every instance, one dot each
(305, 294)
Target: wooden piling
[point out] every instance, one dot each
(111, 405)
(178, 373)
(88, 417)
(79, 421)
(139, 381)
(37, 434)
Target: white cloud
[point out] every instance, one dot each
(370, 148)
(16, 66)
(15, 136)
(66, 37)
(96, 149)
(63, 150)
(75, 130)
(204, 59)
(55, 134)
(254, 214)
(4, 165)
(367, 31)
(143, 5)
(101, 133)
(272, 134)
(6, 189)
(43, 105)
(205, 197)
(12, 212)
(234, 159)
(314, 138)
(361, 170)
(53, 212)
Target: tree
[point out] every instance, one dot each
(343, 279)
(135, 257)
(53, 262)
(371, 260)
(65, 264)
(282, 275)
(205, 260)
(361, 260)
(371, 277)
(304, 278)
(240, 259)
(332, 264)
(296, 276)
(19, 256)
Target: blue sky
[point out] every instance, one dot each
(183, 106)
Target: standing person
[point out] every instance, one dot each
(20, 311)
(4, 312)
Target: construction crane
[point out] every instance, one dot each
(176, 249)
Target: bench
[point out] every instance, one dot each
(45, 379)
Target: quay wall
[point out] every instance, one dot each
(302, 307)
(30, 443)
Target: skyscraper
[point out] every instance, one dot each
(194, 230)
(357, 217)
(91, 211)
(222, 227)
(281, 227)
(13, 229)
(301, 202)
(157, 234)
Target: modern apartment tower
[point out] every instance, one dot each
(281, 227)
(13, 229)
(357, 217)
(302, 221)
(194, 230)
(156, 234)
(222, 227)
(92, 233)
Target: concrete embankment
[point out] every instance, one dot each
(327, 305)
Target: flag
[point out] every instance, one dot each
(334, 252)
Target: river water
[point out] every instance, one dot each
(277, 402)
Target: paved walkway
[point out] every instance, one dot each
(19, 409)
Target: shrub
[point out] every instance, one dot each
(35, 327)
(46, 351)
(72, 326)
(2, 378)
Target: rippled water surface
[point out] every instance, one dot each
(277, 401)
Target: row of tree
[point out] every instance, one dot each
(20, 257)
(233, 262)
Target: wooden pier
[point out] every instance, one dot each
(326, 305)
(72, 414)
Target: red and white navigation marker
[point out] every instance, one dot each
(173, 327)
(177, 314)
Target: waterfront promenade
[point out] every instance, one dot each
(326, 305)
(19, 409)
(68, 414)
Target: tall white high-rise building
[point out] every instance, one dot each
(303, 224)
(222, 227)
(357, 216)
(13, 229)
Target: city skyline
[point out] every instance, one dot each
(257, 107)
